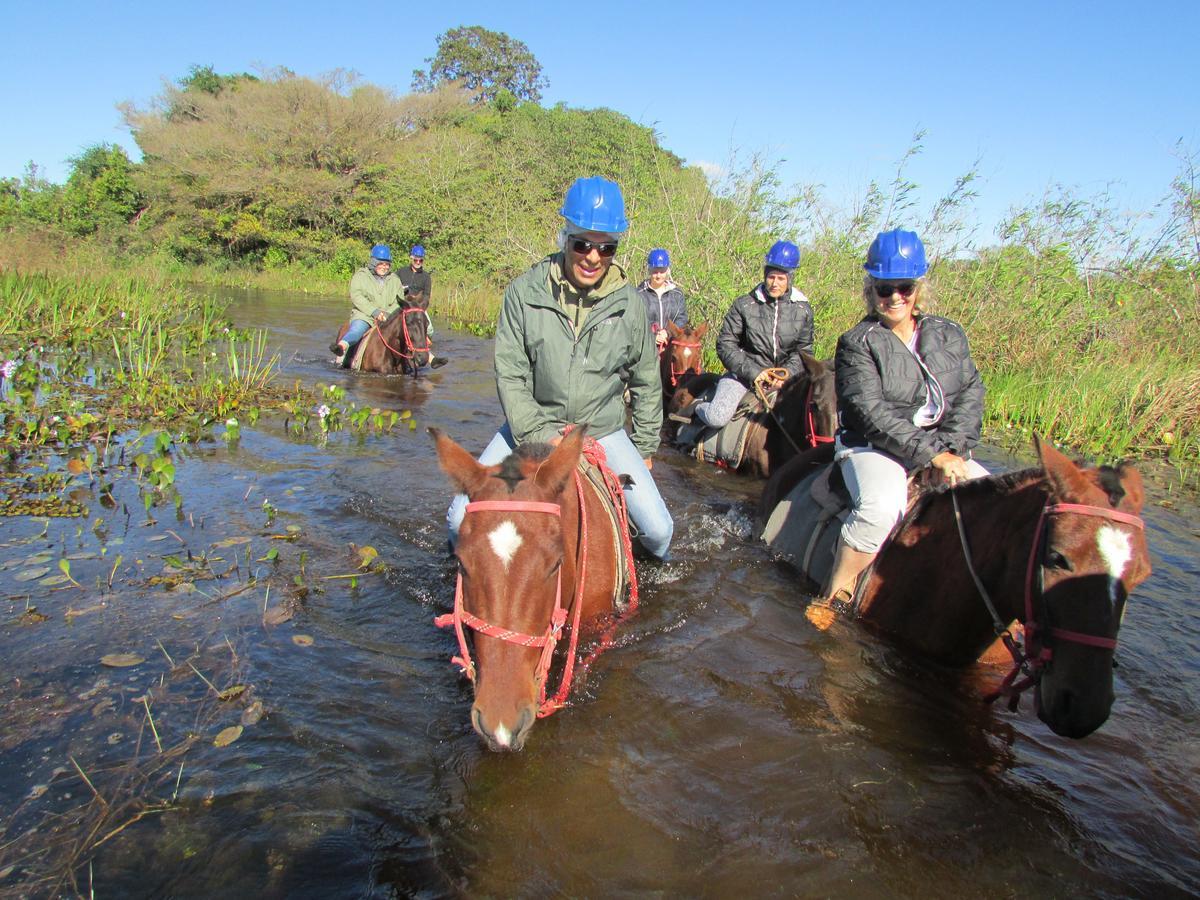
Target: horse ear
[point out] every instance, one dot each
(560, 465)
(465, 473)
(1131, 480)
(700, 330)
(1067, 481)
(812, 365)
(674, 331)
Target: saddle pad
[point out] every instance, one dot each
(595, 481)
(356, 360)
(803, 530)
(725, 446)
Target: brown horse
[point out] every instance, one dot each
(538, 557)
(682, 357)
(804, 415)
(399, 345)
(1058, 548)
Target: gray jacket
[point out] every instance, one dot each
(760, 333)
(881, 386)
(669, 308)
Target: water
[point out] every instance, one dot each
(725, 747)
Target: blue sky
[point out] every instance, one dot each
(1087, 95)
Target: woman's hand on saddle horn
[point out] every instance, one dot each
(951, 467)
(771, 379)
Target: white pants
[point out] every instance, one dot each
(878, 487)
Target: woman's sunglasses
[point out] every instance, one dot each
(584, 247)
(885, 289)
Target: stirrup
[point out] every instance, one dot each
(686, 415)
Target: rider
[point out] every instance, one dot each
(761, 338)
(571, 337)
(663, 298)
(375, 293)
(909, 396)
(417, 281)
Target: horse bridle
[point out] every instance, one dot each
(1031, 660)
(810, 420)
(408, 342)
(687, 345)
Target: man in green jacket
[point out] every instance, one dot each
(375, 293)
(572, 337)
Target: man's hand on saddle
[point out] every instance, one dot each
(380, 316)
(950, 467)
(661, 336)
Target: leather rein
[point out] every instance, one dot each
(1031, 659)
(408, 342)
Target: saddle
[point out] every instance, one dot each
(726, 446)
(594, 479)
(803, 527)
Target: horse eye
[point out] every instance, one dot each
(1056, 560)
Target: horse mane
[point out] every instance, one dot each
(512, 469)
(1001, 485)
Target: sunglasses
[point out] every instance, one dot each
(583, 247)
(884, 289)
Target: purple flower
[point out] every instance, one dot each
(10, 366)
(323, 411)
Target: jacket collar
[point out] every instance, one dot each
(794, 296)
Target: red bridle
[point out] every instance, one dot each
(813, 438)
(408, 342)
(549, 639)
(1032, 659)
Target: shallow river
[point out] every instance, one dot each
(723, 748)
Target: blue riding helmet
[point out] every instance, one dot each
(595, 204)
(896, 254)
(417, 251)
(658, 259)
(381, 253)
(783, 255)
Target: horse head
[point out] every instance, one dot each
(683, 355)
(406, 334)
(809, 401)
(516, 580)
(1090, 556)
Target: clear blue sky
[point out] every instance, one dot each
(1081, 94)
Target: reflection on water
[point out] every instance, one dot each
(724, 747)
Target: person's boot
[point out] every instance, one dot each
(848, 564)
(685, 414)
(337, 348)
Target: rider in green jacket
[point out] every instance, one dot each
(572, 337)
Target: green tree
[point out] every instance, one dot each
(485, 62)
(100, 190)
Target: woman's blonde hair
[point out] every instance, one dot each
(923, 297)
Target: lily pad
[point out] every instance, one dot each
(294, 529)
(121, 660)
(231, 692)
(366, 556)
(302, 640)
(54, 580)
(227, 736)
(39, 558)
(31, 574)
(233, 541)
(253, 713)
(277, 615)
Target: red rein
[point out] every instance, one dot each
(1035, 655)
(549, 639)
(412, 351)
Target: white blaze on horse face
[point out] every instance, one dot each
(687, 352)
(1116, 549)
(505, 540)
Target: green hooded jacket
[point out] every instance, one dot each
(548, 376)
(370, 294)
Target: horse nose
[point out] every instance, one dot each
(502, 737)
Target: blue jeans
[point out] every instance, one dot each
(646, 507)
(355, 332)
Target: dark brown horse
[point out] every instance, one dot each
(803, 416)
(398, 345)
(1057, 548)
(682, 357)
(538, 559)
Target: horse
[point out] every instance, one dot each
(540, 544)
(398, 345)
(682, 357)
(803, 415)
(1057, 548)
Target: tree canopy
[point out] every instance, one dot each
(485, 62)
